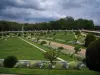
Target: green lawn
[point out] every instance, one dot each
(20, 49)
(46, 72)
(61, 36)
(63, 56)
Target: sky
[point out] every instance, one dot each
(34, 11)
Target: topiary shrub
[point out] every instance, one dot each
(60, 48)
(10, 61)
(93, 56)
(19, 34)
(43, 42)
(54, 33)
(89, 39)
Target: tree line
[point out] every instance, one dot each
(63, 23)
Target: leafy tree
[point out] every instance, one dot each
(10, 61)
(63, 23)
(89, 39)
(77, 49)
(93, 56)
(51, 55)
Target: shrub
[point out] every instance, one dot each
(54, 33)
(10, 61)
(77, 33)
(43, 42)
(51, 55)
(81, 66)
(60, 48)
(89, 39)
(24, 64)
(77, 49)
(19, 34)
(93, 56)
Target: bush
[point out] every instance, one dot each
(93, 56)
(24, 64)
(77, 49)
(81, 66)
(60, 48)
(43, 42)
(19, 34)
(54, 33)
(89, 39)
(10, 61)
(51, 55)
(77, 32)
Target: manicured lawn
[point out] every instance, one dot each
(20, 49)
(61, 36)
(46, 72)
(63, 56)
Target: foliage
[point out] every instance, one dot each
(19, 34)
(51, 55)
(89, 39)
(10, 61)
(63, 23)
(93, 56)
(77, 49)
(77, 32)
(43, 42)
(60, 48)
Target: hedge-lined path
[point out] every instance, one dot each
(39, 48)
(71, 48)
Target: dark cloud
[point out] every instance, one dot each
(46, 10)
(70, 4)
(32, 4)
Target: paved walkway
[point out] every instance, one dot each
(39, 48)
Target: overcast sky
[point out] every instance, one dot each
(33, 11)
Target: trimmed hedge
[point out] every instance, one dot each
(89, 39)
(93, 56)
(10, 61)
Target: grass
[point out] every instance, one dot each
(16, 47)
(61, 36)
(23, 71)
(63, 56)
(22, 50)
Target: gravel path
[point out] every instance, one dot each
(71, 48)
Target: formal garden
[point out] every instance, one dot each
(33, 53)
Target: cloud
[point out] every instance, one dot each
(33, 11)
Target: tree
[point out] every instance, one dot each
(10, 61)
(89, 39)
(93, 56)
(51, 55)
(77, 49)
